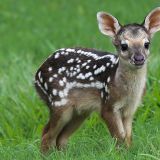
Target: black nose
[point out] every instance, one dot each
(139, 59)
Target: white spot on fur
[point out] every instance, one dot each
(45, 86)
(70, 50)
(78, 66)
(94, 66)
(66, 53)
(116, 61)
(71, 69)
(67, 72)
(84, 64)
(95, 56)
(56, 55)
(50, 69)
(107, 64)
(70, 60)
(87, 67)
(62, 102)
(79, 51)
(54, 92)
(62, 53)
(55, 75)
(99, 70)
(50, 98)
(41, 87)
(50, 79)
(65, 92)
(125, 42)
(81, 76)
(112, 58)
(98, 85)
(61, 94)
(62, 69)
(61, 83)
(62, 49)
(74, 73)
(88, 74)
(78, 70)
(39, 76)
(108, 79)
(102, 94)
(74, 84)
(91, 78)
(41, 80)
(64, 79)
(79, 61)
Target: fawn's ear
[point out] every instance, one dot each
(152, 21)
(108, 24)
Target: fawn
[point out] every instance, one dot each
(74, 82)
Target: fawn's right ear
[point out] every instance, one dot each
(152, 21)
(108, 24)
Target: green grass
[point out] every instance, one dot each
(29, 32)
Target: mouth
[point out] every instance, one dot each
(136, 63)
(138, 60)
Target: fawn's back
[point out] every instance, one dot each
(72, 70)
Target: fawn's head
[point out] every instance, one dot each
(131, 41)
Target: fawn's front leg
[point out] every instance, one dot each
(127, 115)
(114, 123)
(127, 122)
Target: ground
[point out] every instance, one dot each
(29, 32)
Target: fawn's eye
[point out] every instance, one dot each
(124, 47)
(146, 45)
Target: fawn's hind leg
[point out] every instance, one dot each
(67, 131)
(46, 128)
(57, 121)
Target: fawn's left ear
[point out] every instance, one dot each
(108, 24)
(152, 21)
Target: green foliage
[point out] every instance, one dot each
(30, 31)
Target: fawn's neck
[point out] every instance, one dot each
(130, 79)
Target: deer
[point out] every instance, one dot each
(74, 82)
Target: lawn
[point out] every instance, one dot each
(29, 32)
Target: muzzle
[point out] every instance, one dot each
(138, 59)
